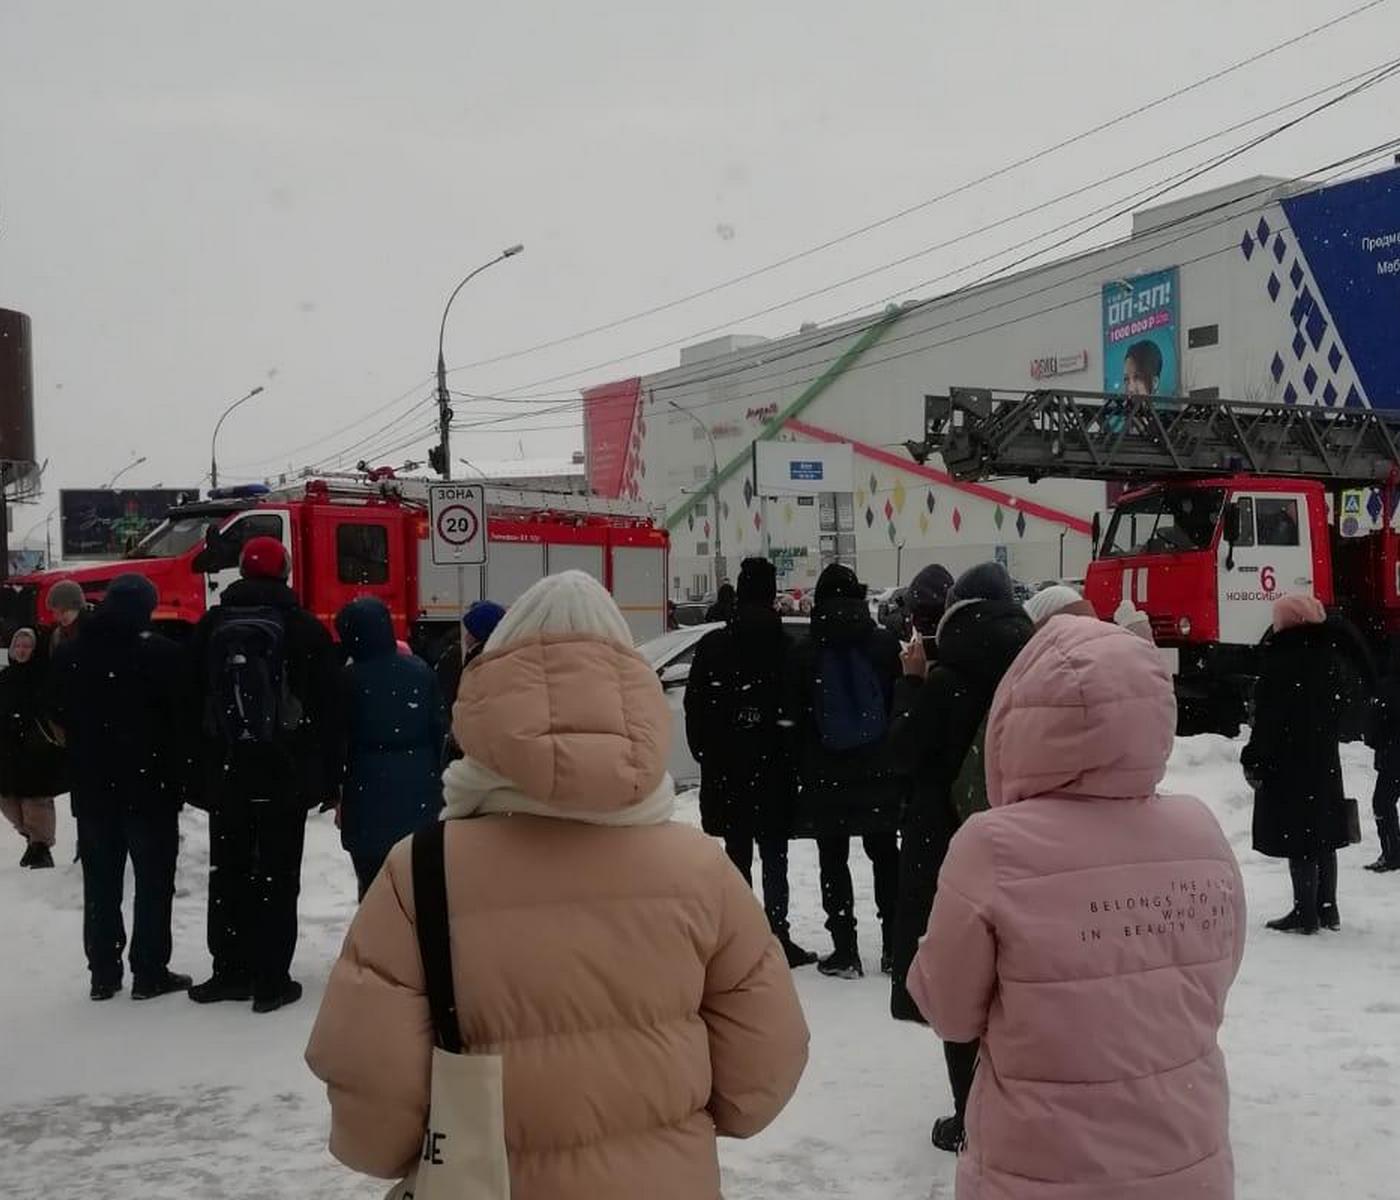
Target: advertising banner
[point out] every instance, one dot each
(1141, 355)
(803, 468)
(102, 523)
(612, 437)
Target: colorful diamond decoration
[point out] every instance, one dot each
(859, 497)
(930, 501)
(891, 532)
(1334, 356)
(1273, 286)
(957, 521)
(874, 484)
(787, 514)
(1290, 395)
(757, 521)
(900, 495)
(1354, 398)
(1247, 246)
(869, 517)
(748, 492)
(690, 520)
(889, 511)
(707, 529)
(998, 517)
(1020, 524)
(923, 522)
(1310, 379)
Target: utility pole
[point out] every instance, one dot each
(440, 457)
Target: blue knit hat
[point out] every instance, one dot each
(482, 618)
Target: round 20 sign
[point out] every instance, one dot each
(457, 521)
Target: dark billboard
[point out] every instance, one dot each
(107, 523)
(16, 389)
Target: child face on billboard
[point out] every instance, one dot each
(1136, 381)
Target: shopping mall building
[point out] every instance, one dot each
(1261, 291)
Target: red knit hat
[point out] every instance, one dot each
(264, 558)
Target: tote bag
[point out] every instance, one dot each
(464, 1148)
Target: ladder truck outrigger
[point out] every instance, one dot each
(1229, 506)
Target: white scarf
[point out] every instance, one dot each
(471, 790)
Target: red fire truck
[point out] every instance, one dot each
(355, 536)
(1231, 506)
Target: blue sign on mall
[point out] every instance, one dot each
(805, 470)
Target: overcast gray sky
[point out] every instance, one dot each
(198, 198)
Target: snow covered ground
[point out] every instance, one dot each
(166, 1099)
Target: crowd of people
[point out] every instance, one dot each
(259, 718)
(1067, 931)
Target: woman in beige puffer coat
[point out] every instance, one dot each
(615, 960)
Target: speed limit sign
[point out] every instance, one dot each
(457, 516)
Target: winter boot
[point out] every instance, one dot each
(218, 988)
(289, 993)
(949, 1135)
(159, 985)
(41, 859)
(1302, 918)
(1388, 827)
(844, 960)
(104, 989)
(27, 858)
(796, 955)
(887, 949)
(1329, 918)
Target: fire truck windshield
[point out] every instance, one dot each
(1166, 521)
(170, 538)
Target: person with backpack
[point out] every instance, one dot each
(117, 696)
(937, 738)
(606, 963)
(268, 690)
(841, 685)
(734, 719)
(395, 725)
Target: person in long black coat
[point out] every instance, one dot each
(31, 762)
(118, 695)
(851, 792)
(734, 717)
(1313, 670)
(1383, 736)
(937, 714)
(395, 724)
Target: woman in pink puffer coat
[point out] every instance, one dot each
(1087, 929)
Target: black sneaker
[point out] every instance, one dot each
(842, 965)
(289, 994)
(796, 955)
(218, 988)
(1293, 922)
(159, 985)
(103, 991)
(949, 1135)
(1329, 918)
(41, 859)
(27, 858)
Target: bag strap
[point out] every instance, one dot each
(434, 945)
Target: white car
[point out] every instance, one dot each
(670, 656)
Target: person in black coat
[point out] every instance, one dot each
(938, 712)
(840, 687)
(734, 719)
(258, 793)
(395, 724)
(726, 601)
(31, 762)
(117, 694)
(1314, 667)
(478, 624)
(1384, 738)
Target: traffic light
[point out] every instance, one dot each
(437, 460)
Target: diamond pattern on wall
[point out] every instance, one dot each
(869, 517)
(998, 517)
(900, 495)
(957, 521)
(1020, 524)
(889, 511)
(930, 501)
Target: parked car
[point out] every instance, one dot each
(670, 656)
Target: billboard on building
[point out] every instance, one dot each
(612, 438)
(106, 523)
(1141, 355)
(802, 468)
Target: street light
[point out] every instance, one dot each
(214, 441)
(714, 488)
(131, 466)
(442, 458)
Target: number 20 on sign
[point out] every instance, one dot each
(457, 523)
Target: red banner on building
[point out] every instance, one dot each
(612, 437)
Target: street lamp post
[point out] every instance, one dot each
(444, 450)
(214, 441)
(714, 489)
(131, 466)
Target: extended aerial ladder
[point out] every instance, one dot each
(1048, 433)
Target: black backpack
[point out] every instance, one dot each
(250, 698)
(849, 705)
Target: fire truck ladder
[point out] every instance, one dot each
(982, 433)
